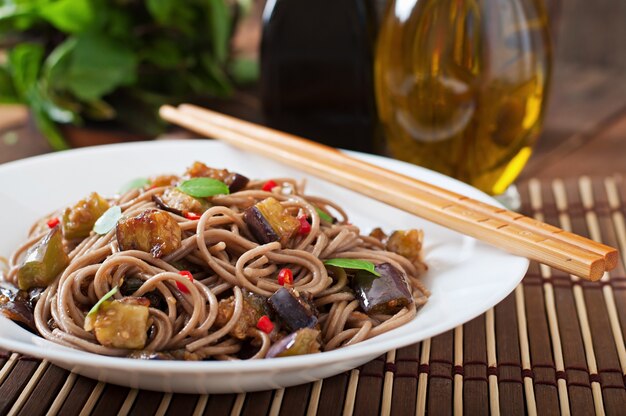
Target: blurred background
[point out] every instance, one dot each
(87, 72)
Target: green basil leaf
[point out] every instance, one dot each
(203, 187)
(354, 264)
(108, 220)
(134, 184)
(324, 216)
(69, 16)
(103, 299)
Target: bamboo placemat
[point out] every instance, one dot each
(553, 346)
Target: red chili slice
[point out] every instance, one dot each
(285, 277)
(53, 222)
(192, 216)
(181, 286)
(265, 325)
(305, 226)
(269, 185)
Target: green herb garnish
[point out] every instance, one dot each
(108, 220)
(354, 264)
(103, 299)
(135, 184)
(203, 187)
(324, 216)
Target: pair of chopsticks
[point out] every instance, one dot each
(505, 229)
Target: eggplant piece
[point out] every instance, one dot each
(379, 234)
(164, 180)
(235, 181)
(18, 305)
(293, 309)
(408, 244)
(43, 262)
(269, 221)
(78, 221)
(303, 341)
(121, 323)
(384, 294)
(152, 231)
(259, 227)
(253, 309)
(173, 200)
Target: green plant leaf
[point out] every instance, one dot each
(57, 63)
(161, 10)
(24, 64)
(69, 16)
(98, 110)
(220, 26)
(47, 127)
(8, 95)
(103, 299)
(98, 66)
(108, 220)
(246, 6)
(217, 81)
(244, 70)
(164, 53)
(353, 264)
(18, 16)
(203, 187)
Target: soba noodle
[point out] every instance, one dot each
(229, 263)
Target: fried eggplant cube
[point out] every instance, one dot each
(252, 310)
(303, 341)
(178, 202)
(43, 261)
(152, 231)
(164, 180)
(18, 305)
(78, 220)
(269, 221)
(235, 181)
(122, 323)
(293, 309)
(384, 294)
(408, 244)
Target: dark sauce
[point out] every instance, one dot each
(317, 70)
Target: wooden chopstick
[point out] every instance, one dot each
(277, 138)
(385, 186)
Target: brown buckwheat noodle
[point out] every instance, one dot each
(232, 262)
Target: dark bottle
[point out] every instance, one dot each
(317, 70)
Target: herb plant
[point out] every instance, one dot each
(77, 61)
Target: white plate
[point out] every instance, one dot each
(466, 277)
